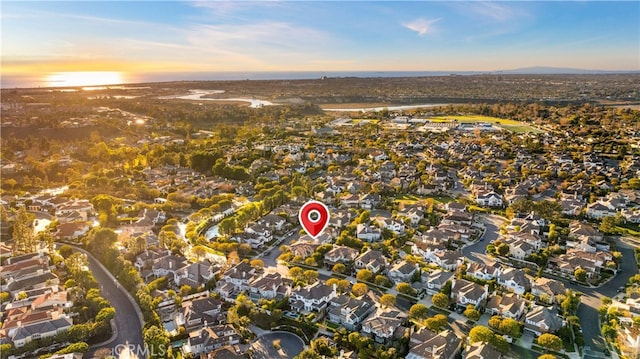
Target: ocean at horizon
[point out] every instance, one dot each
(40, 80)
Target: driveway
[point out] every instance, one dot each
(263, 347)
(126, 317)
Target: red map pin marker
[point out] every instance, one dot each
(314, 218)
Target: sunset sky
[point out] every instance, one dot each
(40, 38)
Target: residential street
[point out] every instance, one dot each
(591, 298)
(475, 252)
(126, 318)
(270, 255)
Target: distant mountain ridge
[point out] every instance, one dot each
(547, 70)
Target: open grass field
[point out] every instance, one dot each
(412, 199)
(507, 124)
(365, 120)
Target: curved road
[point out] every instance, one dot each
(127, 320)
(291, 345)
(591, 297)
(476, 252)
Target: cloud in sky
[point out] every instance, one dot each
(421, 26)
(496, 11)
(303, 35)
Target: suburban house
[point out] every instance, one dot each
(461, 218)
(449, 260)
(514, 280)
(483, 271)
(349, 312)
(465, 292)
(600, 209)
(490, 199)
(168, 266)
(385, 325)
(436, 280)
(71, 230)
(303, 249)
(372, 260)
(370, 201)
(312, 298)
(520, 249)
(78, 205)
(269, 286)
(209, 339)
(541, 320)
(584, 237)
(340, 254)
(403, 271)
(236, 279)
(392, 225)
(367, 232)
(481, 350)
(545, 288)
(426, 344)
(273, 221)
(194, 274)
(39, 330)
(508, 306)
(199, 312)
(591, 262)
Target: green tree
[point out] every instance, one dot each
(580, 274)
(4, 297)
(364, 275)
(503, 249)
(323, 347)
(418, 311)
(510, 327)
(65, 251)
(100, 240)
(157, 342)
(23, 237)
(359, 289)
(388, 300)
(79, 347)
(440, 300)
(295, 273)
(381, 280)
(608, 225)
(47, 238)
(310, 276)
(339, 268)
(308, 354)
(550, 342)
(105, 314)
(481, 333)
(79, 332)
(471, 312)
(343, 285)
(436, 323)
(405, 288)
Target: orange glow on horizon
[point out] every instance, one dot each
(84, 78)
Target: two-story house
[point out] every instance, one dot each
(372, 260)
(312, 298)
(349, 312)
(465, 292)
